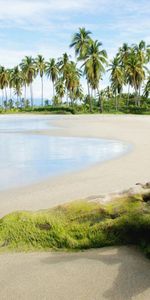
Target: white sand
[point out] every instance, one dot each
(111, 176)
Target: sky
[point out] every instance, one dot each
(46, 27)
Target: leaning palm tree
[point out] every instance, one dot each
(94, 65)
(40, 67)
(80, 42)
(28, 67)
(51, 71)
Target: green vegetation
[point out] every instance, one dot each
(107, 107)
(45, 110)
(80, 225)
(128, 69)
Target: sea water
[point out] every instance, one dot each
(27, 158)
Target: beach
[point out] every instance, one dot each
(111, 176)
(119, 273)
(115, 273)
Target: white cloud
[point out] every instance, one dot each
(25, 9)
(55, 20)
(128, 17)
(11, 57)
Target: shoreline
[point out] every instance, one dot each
(111, 176)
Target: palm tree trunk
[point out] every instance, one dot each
(25, 92)
(71, 101)
(53, 89)
(31, 93)
(90, 100)
(136, 95)
(119, 102)
(6, 98)
(67, 100)
(100, 102)
(2, 97)
(42, 91)
(116, 100)
(10, 94)
(88, 87)
(139, 98)
(136, 92)
(128, 94)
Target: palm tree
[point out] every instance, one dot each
(60, 88)
(140, 50)
(24, 83)
(4, 82)
(80, 41)
(40, 68)
(28, 67)
(10, 82)
(136, 72)
(148, 53)
(63, 63)
(70, 74)
(64, 67)
(78, 94)
(17, 82)
(52, 72)
(147, 88)
(123, 54)
(72, 80)
(108, 92)
(94, 65)
(116, 77)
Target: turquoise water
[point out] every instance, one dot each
(26, 158)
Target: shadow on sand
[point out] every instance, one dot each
(133, 269)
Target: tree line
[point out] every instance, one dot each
(129, 68)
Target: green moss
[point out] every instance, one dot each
(79, 225)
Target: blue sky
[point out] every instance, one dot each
(45, 27)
